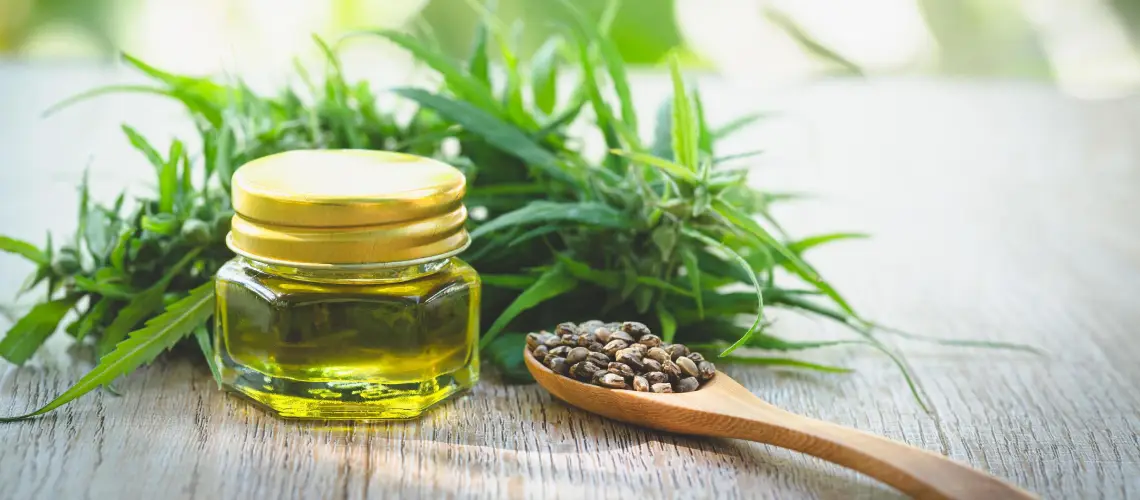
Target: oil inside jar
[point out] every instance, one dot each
(357, 346)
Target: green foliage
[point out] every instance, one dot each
(591, 215)
(661, 234)
(160, 334)
(506, 352)
(33, 329)
(23, 249)
(554, 282)
(846, 66)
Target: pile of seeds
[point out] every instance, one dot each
(620, 356)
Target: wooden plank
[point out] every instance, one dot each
(1004, 213)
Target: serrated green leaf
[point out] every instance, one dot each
(119, 252)
(200, 95)
(793, 262)
(664, 236)
(735, 156)
(987, 344)
(513, 94)
(222, 153)
(141, 347)
(53, 281)
(862, 328)
(642, 298)
(506, 354)
(477, 63)
(168, 178)
(165, 224)
(336, 89)
(92, 318)
(24, 249)
(584, 272)
(186, 189)
(118, 205)
(704, 135)
(84, 207)
(702, 238)
(685, 126)
(505, 40)
(728, 330)
(25, 337)
(800, 246)
(113, 290)
(796, 363)
(602, 113)
(589, 214)
(771, 343)
(727, 303)
(201, 86)
(668, 323)
(629, 278)
(465, 86)
(140, 307)
(676, 170)
(194, 103)
(507, 138)
(663, 130)
(544, 75)
(693, 273)
(533, 233)
(508, 281)
(590, 34)
(506, 189)
(554, 282)
(560, 121)
(95, 230)
(810, 44)
(736, 125)
(663, 285)
(140, 143)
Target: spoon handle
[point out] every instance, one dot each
(916, 472)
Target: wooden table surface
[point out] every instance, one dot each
(1001, 211)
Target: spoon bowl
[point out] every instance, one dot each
(724, 408)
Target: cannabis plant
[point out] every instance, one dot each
(662, 228)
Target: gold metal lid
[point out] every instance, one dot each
(313, 208)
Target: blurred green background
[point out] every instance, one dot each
(1087, 47)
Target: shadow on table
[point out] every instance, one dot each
(526, 425)
(766, 464)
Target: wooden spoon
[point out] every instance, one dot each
(724, 408)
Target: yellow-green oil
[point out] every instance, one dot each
(356, 345)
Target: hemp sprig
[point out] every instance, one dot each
(656, 229)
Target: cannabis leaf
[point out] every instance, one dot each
(33, 329)
(141, 346)
(664, 230)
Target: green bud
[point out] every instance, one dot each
(204, 212)
(67, 262)
(196, 232)
(164, 224)
(222, 222)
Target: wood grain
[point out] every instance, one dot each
(723, 408)
(999, 211)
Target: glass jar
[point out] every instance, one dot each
(346, 300)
